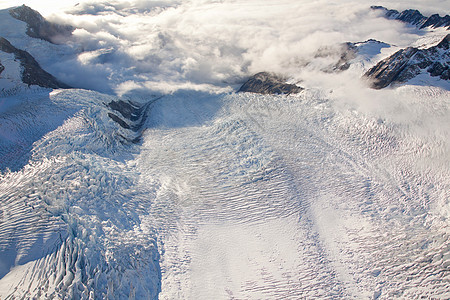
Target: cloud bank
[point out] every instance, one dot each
(164, 46)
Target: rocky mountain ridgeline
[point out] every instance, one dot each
(39, 27)
(414, 17)
(407, 63)
(269, 83)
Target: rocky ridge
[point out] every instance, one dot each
(31, 73)
(352, 52)
(414, 17)
(269, 83)
(129, 116)
(407, 63)
(39, 27)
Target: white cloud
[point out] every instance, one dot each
(217, 43)
(45, 7)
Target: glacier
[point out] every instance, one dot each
(196, 191)
(235, 195)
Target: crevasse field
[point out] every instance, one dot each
(338, 192)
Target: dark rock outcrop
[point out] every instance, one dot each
(1, 67)
(348, 53)
(414, 17)
(407, 63)
(341, 54)
(129, 116)
(127, 109)
(119, 121)
(32, 73)
(39, 27)
(268, 83)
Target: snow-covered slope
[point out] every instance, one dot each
(43, 56)
(407, 63)
(30, 72)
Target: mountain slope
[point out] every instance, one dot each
(414, 17)
(31, 72)
(407, 63)
(39, 27)
(266, 83)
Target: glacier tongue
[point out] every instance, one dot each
(287, 197)
(229, 196)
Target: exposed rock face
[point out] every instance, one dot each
(414, 17)
(340, 54)
(127, 109)
(32, 73)
(268, 83)
(129, 116)
(1, 67)
(408, 63)
(39, 27)
(348, 53)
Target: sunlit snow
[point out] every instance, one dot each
(338, 192)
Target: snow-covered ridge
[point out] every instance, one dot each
(410, 62)
(39, 27)
(28, 71)
(31, 72)
(414, 17)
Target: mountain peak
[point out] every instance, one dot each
(269, 83)
(407, 63)
(38, 26)
(414, 17)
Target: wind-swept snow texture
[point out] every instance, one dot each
(70, 218)
(285, 197)
(229, 196)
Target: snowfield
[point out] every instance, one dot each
(231, 196)
(174, 186)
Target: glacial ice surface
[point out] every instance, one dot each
(226, 196)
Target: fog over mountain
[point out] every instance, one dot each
(196, 149)
(165, 46)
